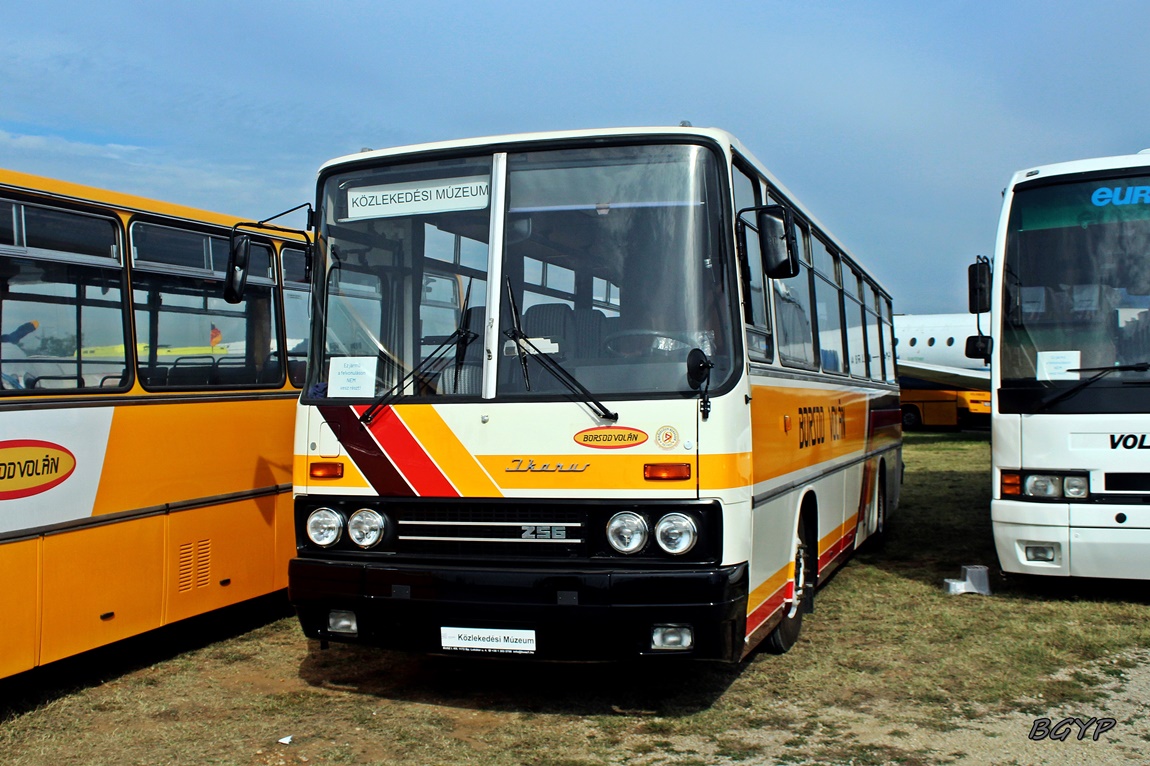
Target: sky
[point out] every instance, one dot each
(897, 124)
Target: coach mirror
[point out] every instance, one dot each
(777, 240)
(978, 285)
(236, 277)
(778, 247)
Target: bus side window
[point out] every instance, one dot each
(793, 315)
(828, 308)
(855, 324)
(748, 193)
(188, 337)
(61, 301)
(296, 316)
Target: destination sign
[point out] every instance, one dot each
(438, 195)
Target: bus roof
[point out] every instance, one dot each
(495, 143)
(1089, 165)
(51, 188)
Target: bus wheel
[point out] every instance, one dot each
(877, 538)
(786, 633)
(911, 418)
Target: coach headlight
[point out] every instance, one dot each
(627, 532)
(1042, 485)
(676, 533)
(1076, 486)
(324, 527)
(366, 528)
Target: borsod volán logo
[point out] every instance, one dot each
(29, 467)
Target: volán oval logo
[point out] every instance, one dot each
(29, 467)
(611, 437)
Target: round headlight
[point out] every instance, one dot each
(324, 527)
(366, 527)
(627, 532)
(676, 533)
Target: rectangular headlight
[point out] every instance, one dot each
(1076, 486)
(1042, 485)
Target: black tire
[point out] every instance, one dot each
(911, 418)
(877, 539)
(786, 633)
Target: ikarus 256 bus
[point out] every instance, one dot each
(583, 395)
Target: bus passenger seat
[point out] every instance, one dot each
(554, 321)
(588, 327)
(465, 379)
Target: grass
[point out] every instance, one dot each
(885, 641)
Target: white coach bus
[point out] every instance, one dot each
(583, 395)
(1069, 346)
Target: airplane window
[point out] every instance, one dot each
(950, 341)
(930, 342)
(913, 342)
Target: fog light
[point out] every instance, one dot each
(341, 621)
(672, 638)
(1044, 553)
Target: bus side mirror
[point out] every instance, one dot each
(978, 286)
(236, 277)
(979, 347)
(777, 241)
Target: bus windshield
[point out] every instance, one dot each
(1077, 287)
(611, 266)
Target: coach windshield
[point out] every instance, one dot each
(1077, 296)
(608, 262)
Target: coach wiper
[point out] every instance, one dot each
(520, 339)
(460, 333)
(1099, 373)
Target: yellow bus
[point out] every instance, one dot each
(583, 395)
(123, 504)
(927, 405)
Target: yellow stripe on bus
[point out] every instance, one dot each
(442, 445)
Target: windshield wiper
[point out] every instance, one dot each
(461, 332)
(1099, 373)
(519, 338)
(517, 328)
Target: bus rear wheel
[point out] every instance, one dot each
(911, 417)
(786, 633)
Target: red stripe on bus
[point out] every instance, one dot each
(409, 457)
(774, 602)
(361, 447)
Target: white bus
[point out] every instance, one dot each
(1069, 345)
(583, 395)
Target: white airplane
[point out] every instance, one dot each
(932, 347)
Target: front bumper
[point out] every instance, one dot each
(573, 614)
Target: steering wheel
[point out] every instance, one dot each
(675, 341)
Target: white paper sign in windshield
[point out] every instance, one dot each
(437, 195)
(351, 376)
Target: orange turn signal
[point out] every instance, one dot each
(326, 470)
(1011, 483)
(666, 471)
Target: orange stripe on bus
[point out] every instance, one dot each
(793, 428)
